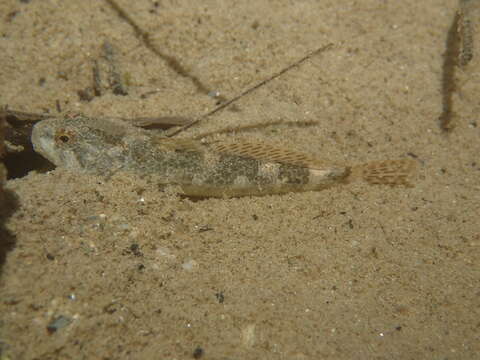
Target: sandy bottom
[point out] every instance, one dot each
(121, 269)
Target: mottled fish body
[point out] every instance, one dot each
(198, 168)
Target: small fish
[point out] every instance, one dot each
(215, 168)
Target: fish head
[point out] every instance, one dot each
(81, 144)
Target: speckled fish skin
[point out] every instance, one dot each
(203, 169)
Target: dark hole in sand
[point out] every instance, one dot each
(20, 163)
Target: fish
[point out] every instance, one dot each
(199, 167)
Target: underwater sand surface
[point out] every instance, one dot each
(122, 269)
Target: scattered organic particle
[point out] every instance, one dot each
(220, 297)
(198, 352)
(199, 168)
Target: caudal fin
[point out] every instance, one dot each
(387, 172)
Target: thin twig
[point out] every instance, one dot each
(255, 87)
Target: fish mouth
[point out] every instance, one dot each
(43, 141)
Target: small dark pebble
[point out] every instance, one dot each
(133, 249)
(11, 301)
(204, 228)
(220, 297)
(35, 307)
(11, 15)
(62, 76)
(85, 95)
(350, 223)
(111, 308)
(58, 323)
(198, 353)
(50, 257)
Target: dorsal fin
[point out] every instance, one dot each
(244, 148)
(265, 152)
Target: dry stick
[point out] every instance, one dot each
(255, 87)
(114, 76)
(459, 52)
(97, 79)
(466, 30)
(449, 67)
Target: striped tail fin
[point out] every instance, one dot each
(387, 172)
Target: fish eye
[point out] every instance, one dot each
(63, 137)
